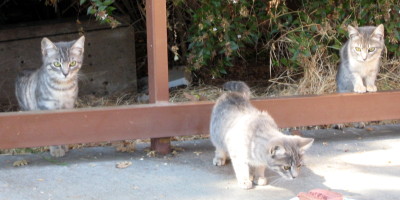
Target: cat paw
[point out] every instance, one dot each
(360, 125)
(360, 89)
(57, 152)
(371, 88)
(261, 181)
(218, 161)
(338, 126)
(245, 184)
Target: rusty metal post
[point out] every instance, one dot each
(157, 53)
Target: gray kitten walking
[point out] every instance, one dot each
(360, 59)
(251, 139)
(55, 84)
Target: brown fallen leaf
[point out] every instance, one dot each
(178, 148)
(296, 132)
(124, 146)
(152, 154)
(369, 129)
(190, 97)
(20, 163)
(124, 164)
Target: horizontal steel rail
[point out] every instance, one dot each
(40, 128)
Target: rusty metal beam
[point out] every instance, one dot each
(157, 55)
(40, 128)
(156, 22)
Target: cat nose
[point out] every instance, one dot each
(65, 74)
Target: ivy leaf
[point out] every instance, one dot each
(234, 46)
(82, 2)
(108, 2)
(102, 8)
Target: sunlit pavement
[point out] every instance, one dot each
(361, 164)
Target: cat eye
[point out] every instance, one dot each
(72, 64)
(358, 49)
(371, 49)
(299, 165)
(57, 64)
(286, 168)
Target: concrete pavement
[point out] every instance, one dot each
(361, 164)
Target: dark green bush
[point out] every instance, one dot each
(278, 34)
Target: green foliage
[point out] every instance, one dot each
(323, 23)
(222, 32)
(102, 9)
(219, 30)
(217, 34)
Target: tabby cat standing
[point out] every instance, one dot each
(55, 84)
(252, 140)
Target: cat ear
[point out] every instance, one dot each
(352, 31)
(78, 46)
(48, 47)
(305, 143)
(379, 32)
(277, 151)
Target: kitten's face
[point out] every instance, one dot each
(286, 157)
(63, 59)
(366, 43)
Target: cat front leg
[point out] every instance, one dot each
(358, 84)
(370, 83)
(242, 171)
(259, 173)
(58, 151)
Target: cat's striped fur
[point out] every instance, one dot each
(55, 84)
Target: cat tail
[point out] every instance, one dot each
(238, 86)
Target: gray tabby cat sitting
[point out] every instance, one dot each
(251, 139)
(55, 85)
(360, 59)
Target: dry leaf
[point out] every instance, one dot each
(178, 149)
(369, 129)
(174, 152)
(203, 98)
(19, 163)
(152, 154)
(124, 146)
(197, 153)
(296, 132)
(190, 97)
(124, 164)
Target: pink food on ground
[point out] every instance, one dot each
(320, 194)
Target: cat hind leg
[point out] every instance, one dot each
(220, 157)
